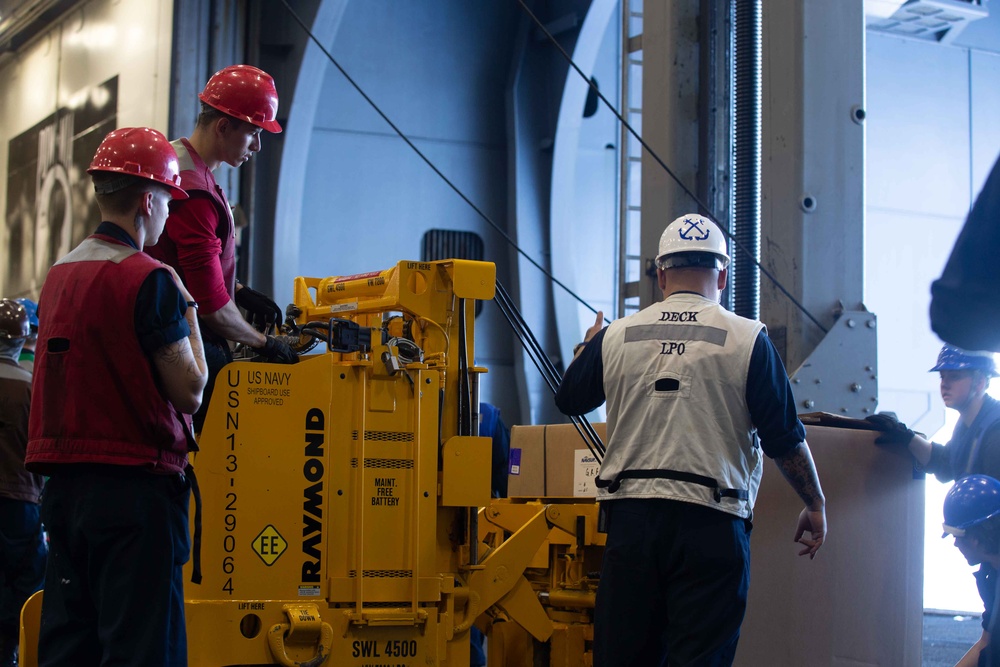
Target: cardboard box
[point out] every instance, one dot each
(551, 460)
(526, 467)
(860, 601)
(570, 467)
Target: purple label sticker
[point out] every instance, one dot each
(515, 461)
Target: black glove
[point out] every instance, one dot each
(278, 351)
(262, 309)
(894, 432)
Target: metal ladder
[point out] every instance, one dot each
(630, 268)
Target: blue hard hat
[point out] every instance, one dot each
(32, 309)
(971, 501)
(952, 358)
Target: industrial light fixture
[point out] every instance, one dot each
(929, 20)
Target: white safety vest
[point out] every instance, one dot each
(675, 377)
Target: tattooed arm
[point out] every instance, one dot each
(800, 472)
(183, 371)
(782, 438)
(181, 364)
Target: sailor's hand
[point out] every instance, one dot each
(813, 522)
(596, 327)
(278, 351)
(261, 307)
(894, 432)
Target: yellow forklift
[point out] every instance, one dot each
(346, 514)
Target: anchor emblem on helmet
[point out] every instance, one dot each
(693, 231)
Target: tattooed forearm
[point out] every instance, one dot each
(172, 354)
(798, 468)
(199, 372)
(198, 367)
(181, 355)
(182, 376)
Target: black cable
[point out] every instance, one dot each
(551, 374)
(598, 450)
(504, 299)
(431, 164)
(652, 153)
(517, 332)
(464, 382)
(589, 435)
(527, 338)
(545, 367)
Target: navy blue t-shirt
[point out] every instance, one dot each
(159, 307)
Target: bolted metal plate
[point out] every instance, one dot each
(841, 374)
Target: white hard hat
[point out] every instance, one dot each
(692, 234)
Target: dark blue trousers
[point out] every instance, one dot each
(22, 564)
(673, 586)
(114, 593)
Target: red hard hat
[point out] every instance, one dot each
(14, 324)
(141, 152)
(244, 92)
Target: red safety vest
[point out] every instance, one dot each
(197, 180)
(95, 397)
